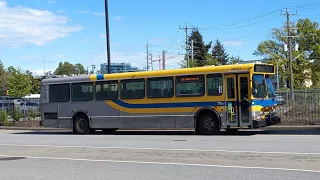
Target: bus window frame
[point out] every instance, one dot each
(125, 80)
(191, 75)
(103, 83)
(69, 93)
(159, 79)
(206, 85)
(93, 91)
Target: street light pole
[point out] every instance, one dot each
(107, 36)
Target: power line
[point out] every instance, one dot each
(241, 21)
(174, 40)
(240, 26)
(304, 5)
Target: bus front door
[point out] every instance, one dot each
(231, 102)
(243, 100)
(237, 102)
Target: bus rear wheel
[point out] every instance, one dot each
(81, 124)
(207, 124)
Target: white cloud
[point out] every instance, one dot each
(21, 26)
(83, 12)
(61, 11)
(51, 1)
(234, 43)
(98, 14)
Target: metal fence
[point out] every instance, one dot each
(303, 110)
(19, 109)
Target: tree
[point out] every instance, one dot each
(234, 60)
(3, 79)
(219, 53)
(200, 50)
(308, 40)
(19, 82)
(69, 69)
(80, 69)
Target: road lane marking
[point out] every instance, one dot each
(162, 149)
(166, 163)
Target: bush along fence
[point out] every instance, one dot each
(303, 110)
(19, 114)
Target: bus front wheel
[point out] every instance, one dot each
(81, 124)
(207, 124)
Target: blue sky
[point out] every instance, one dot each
(38, 34)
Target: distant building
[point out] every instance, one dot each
(118, 68)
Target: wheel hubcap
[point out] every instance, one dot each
(208, 123)
(82, 125)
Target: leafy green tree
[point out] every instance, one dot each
(235, 60)
(308, 33)
(200, 50)
(219, 53)
(67, 68)
(19, 82)
(80, 69)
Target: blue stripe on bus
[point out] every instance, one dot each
(264, 103)
(165, 105)
(100, 77)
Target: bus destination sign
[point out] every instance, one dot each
(263, 68)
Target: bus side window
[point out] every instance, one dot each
(160, 87)
(214, 85)
(190, 86)
(107, 90)
(132, 89)
(59, 93)
(82, 91)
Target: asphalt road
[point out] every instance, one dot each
(27, 155)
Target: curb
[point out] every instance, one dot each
(296, 128)
(32, 128)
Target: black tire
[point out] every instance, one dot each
(81, 125)
(207, 124)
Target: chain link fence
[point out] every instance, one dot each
(303, 110)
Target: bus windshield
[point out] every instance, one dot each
(259, 86)
(271, 92)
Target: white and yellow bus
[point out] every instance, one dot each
(207, 99)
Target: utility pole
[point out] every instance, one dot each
(192, 50)
(163, 60)
(93, 67)
(287, 14)
(151, 63)
(108, 36)
(187, 54)
(147, 57)
(278, 85)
